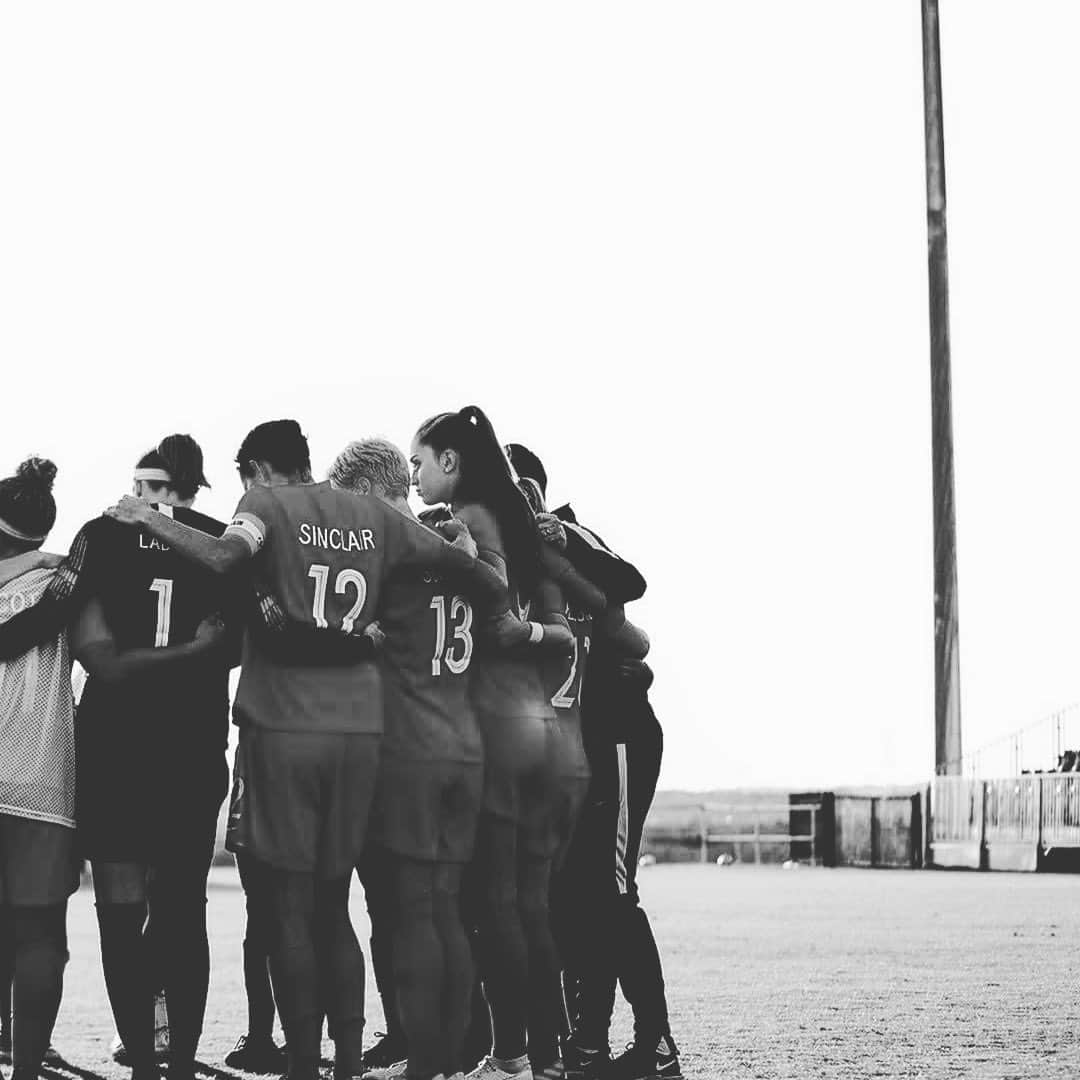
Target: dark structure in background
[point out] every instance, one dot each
(947, 750)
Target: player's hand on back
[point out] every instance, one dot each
(129, 511)
(552, 530)
(457, 532)
(374, 632)
(48, 560)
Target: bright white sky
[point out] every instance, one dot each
(678, 249)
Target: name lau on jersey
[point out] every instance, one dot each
(152, 543)
(336, 539)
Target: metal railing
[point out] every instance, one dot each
(1036, 747)
(757, 811)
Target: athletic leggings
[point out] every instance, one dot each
(432, 963)
(507, 897)
(35, 979)
(315, 959)
(256, 878)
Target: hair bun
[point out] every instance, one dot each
(39, 471)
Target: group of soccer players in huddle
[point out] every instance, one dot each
(454, 706)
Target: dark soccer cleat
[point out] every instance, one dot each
(257, 1056)
(386, 1051)
(584, 1064)
(646, 1061)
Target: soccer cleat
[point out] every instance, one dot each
(387, 1072)
(52, 1056)
(257, 1056)
(492, 1069)
(582, 1063)
(646, 1061)
(387, 1050)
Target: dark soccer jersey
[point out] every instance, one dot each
(426, 658)
(151, 598)
(509, 683)
(325, 553)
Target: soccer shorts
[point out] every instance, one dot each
(427, 810)
(300, 800)
(519, 784)
(38, 862)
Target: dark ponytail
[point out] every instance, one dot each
(27, 506)
(182, 458)
(487, 479)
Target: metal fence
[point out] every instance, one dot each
(1035, 748)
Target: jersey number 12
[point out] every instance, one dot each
(347, 577)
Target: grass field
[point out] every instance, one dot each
(807, 973)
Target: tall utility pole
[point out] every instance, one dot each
(947, 750)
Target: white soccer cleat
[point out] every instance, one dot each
(387, 1072)
(490, 1069)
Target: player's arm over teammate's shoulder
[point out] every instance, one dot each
(94, 646)
(574, 584)
(220, 554)
(459, 555)
(17, 565)
(58, 604)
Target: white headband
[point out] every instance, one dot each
(16, 534)
(158, 476)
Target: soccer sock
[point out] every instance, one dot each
(40, 953)
(258, 938)
(341, 962)
(127, 977)
(457, 989)
(295, 971)
(545, 988)
(260, 998)
(503, 952)
(186, 958)
(419, 967)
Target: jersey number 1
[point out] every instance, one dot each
(347, 577)
(163, 587)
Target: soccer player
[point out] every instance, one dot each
(457, 460)
(38, 867)
(310, 736)
(430, 783)
(604, 932)
(158, 661)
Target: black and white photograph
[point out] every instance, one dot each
(539, 542)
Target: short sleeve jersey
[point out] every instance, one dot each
(325, 553)
(152, 597)
(429, 627)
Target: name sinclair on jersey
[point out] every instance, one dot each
(335, 539)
